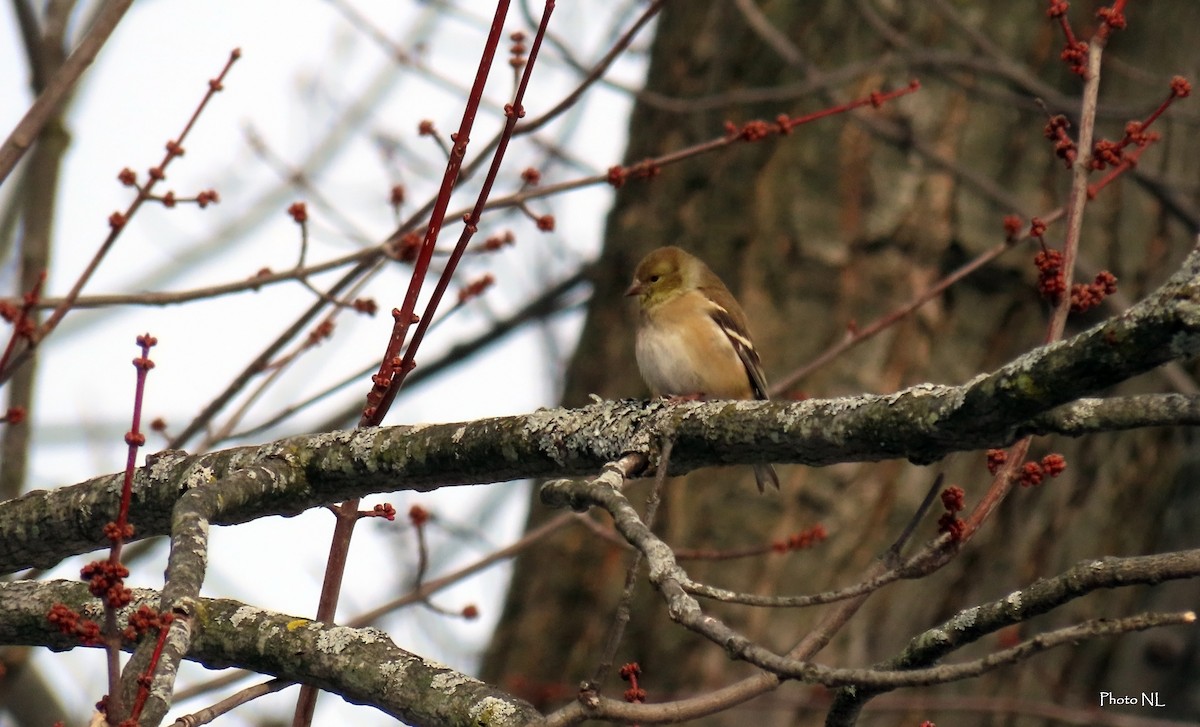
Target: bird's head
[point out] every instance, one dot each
(660, 276)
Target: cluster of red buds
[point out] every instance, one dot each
(954, 500)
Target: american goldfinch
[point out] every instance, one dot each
(693, 338)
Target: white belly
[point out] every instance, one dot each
(703, 362)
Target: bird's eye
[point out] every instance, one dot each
(654, 278)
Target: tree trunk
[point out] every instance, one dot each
(839, 223)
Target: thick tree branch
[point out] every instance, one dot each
(922, 423)
(361, 665)
(1090, 415)
(186, 568)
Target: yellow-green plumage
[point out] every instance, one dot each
(693, 337)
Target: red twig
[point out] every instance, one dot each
(756, 130)
(23, 326)
(382, 392)
(513, 112)
(1180, 88)
(134, 439)
(1110, 153)
(117, 222)
(1078, 196)
(106, 578)
(862, 334)
(391, 369)
(800, 540)
(875, 99)
(597, 72)
(143, 693)
(1007, 474)
(121, 530)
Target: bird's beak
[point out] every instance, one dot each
(635, 289)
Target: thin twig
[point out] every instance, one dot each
(208, 714)
(118, 222)
(1078, 197)
(513, 113)
(623, 613)
(385, 382)
(891, 318)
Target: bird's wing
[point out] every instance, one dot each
(739, 338)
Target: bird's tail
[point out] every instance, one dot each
(764, 474)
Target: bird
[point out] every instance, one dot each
(693, 338)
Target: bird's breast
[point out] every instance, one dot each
(679, 356)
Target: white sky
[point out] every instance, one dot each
(302, 65)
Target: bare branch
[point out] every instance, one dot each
(27, 129)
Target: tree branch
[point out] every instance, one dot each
(27, 129)
(1045, 595)
(362, 665)
(668, 577)
(922, 423)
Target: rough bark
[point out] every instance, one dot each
(362, 665)
(843, 221)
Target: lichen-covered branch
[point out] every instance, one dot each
(922, 423)
(361, 665)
